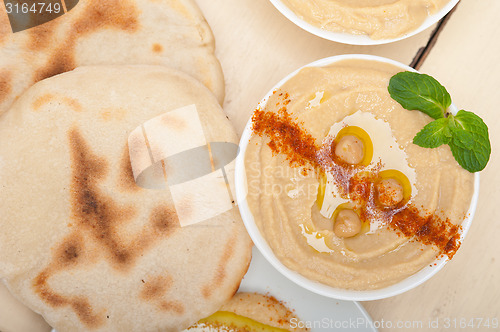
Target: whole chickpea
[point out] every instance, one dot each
(350, 149)
(347, 223)
(390, 192)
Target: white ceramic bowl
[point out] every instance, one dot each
(314, 286)
(347, 38)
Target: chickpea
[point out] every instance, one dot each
(390, 192)
(350, 149)
(347, 223)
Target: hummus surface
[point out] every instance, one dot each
(379, 19)
(282, 195)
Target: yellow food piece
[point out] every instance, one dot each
(321, 190)
(237, 323)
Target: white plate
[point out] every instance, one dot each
(311, 308)
(351, 39)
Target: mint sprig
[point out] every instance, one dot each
(420, 92)
(465, 133)
(434, 134)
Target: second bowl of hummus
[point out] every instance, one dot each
(335, 194)
(364, 22)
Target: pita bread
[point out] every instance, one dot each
(264, 309)
(16, 317)
(166, 32)
(81, 243)
(259, 308)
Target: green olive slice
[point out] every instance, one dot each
(321, 189)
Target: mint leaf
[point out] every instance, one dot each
(470, 144)
(465, 133)
(434, 134)
(420, 92)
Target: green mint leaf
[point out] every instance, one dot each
(470, 144)
(434, 134)
(420, 92)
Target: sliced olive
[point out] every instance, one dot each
(321, 190)
(392, 188)
(236, 322)
(353, 146)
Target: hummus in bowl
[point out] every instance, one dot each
(364, 22)
(361, 228)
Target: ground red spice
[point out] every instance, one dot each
(288, 138)
(430, 229)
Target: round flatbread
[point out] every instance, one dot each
(81, 243)
(16, 317)
(95, 32)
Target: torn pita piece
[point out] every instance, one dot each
(171, 151)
